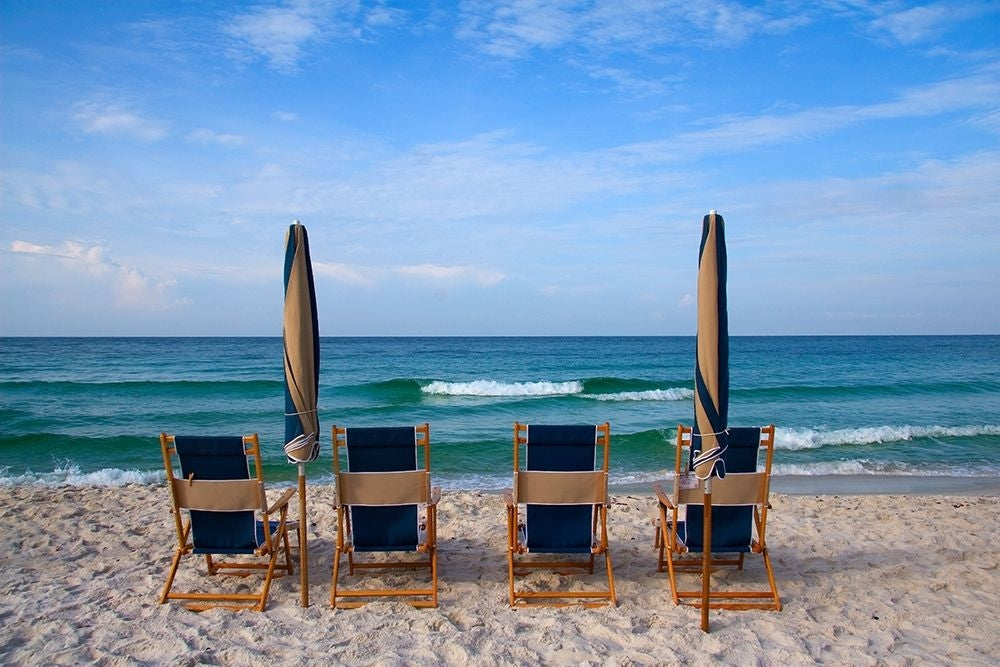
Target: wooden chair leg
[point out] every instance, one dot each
(434, 574)
(611, 577)
(770, 579)
(510, 571)
(171, 574)
(288, 555)
(336, 573)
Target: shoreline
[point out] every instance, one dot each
(794, 485)
(860, 485)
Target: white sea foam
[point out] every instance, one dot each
(888, 468)
(833, 468)
(798, 438)
(673, 394)
(70, 475)
(510, 389)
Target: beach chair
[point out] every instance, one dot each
(563, 490)
(739, 518)
(385, 504)
(216, 503)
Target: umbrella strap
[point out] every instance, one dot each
(296, 414)
(724, 431)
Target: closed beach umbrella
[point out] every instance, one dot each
(301, 343)
(711, 377)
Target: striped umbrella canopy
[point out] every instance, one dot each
(711, 372)
(711, 379)
(301, 343)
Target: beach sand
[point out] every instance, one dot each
(863, 579)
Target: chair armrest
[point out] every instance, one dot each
(435, 495)
(282, 501)
(663, 497)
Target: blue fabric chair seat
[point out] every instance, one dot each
(383, 449)
(560, 528)
(729, 530)
(732, 527)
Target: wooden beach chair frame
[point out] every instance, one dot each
(735, 489)
(221, 497)
(559, 488)
(391, 488)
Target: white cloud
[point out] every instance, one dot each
(736, 133)
(935, 203)
(130, 287)
(30, 248)
(135, 290)
(281, 34)
(205, 136)
(109, 118)
(90, 258)
(345, 273)
(453, 274)
(628, 82)
(487, 175)
(369, 276)
(278, 34)
(915, 23)
(285, 116)
(926, 22)
(515, 28)
(72, 188)
(382, 16)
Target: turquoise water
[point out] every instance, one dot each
(87, 411)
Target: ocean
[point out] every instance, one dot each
(88, 411)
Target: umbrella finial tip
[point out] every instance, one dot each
(296, 222)
(712, 212)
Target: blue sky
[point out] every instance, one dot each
(495, 168)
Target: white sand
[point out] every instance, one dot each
(864, 580)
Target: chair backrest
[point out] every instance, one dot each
(744, 487)
(566, 477)
(383, 500)
(218, 490)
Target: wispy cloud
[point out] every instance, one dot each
(132, 289)
(487, 175)
(736, 133)
(205, 136)
(516, 28)
(278, 34)
(381, 16)
(72, 188)
(283, 34)
(934, 203)
(452, 274)
(436, 274)
(345, 273)
(914, 25)
(109, 118)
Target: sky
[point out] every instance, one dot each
(518, 167)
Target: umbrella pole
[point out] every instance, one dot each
(706, 562)
(303, 527)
